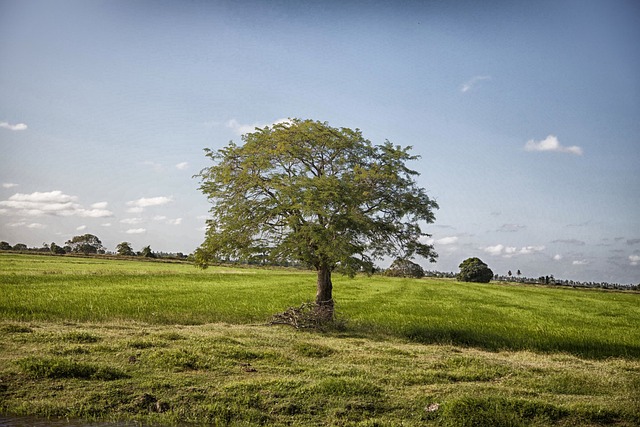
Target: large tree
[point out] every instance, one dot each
(86, 244)
(323, 196)
(474, 270)
(124, 249)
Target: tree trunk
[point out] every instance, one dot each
(324, 298)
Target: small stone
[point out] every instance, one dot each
(433, 407)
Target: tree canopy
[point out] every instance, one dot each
(86, 244)
(124, 249)
(319, 195)
(474, 270)
(405, 268)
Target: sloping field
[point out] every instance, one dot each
(169, 344)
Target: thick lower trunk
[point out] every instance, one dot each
(324, 298)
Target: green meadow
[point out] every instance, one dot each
(168, 344)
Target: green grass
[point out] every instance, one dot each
(168, 344)
(595, 324)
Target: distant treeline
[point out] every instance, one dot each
(542, 280)
(88, 250)
(147, 253)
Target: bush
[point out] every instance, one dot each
(474, 270)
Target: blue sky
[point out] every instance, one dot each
(526, 116)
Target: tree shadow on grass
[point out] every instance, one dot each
(495, 342)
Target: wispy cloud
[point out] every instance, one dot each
(634, 259)
(50, 203)
(136, 230)
(9, 185)
(242, 129)
(511, 228)
(633, 241)
(575, 242)
(551, 143)
(182, 165)
(468, 85)
(16, 127)
(580, 262)
(81, 228)
(145, 202)
(33, 225)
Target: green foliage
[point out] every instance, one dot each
(404, 268)
(5, 246)
(147, 253)
(474, 270)
(86, 244)
(56, 249)
(307, 192)
(124, 249)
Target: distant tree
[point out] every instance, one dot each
(307, 192)
(474, 270)
(519, 273)
(509, 273)
(85, 244)
(147, 253)
(124, 248)
(402, 267)
(19, 247)
(55, 249)
(5, 246)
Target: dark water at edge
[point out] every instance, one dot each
(18, 421)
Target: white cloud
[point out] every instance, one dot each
(9, 185)
(467, 86)
(135, 210)
(531, 249)
(50, 203)
(494, 250)
(510, 251)
(634, 259)
(16, 127)
(447, 240)
(170, 221)
(81, 228)
(580, 262)
(557, 257)
(136, 230)
(242, 129)
(182, 165)
(551, 143)
(106, 224)
(34, 225)
(100, 205)
(145, 202)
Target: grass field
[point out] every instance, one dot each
(169, 344)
